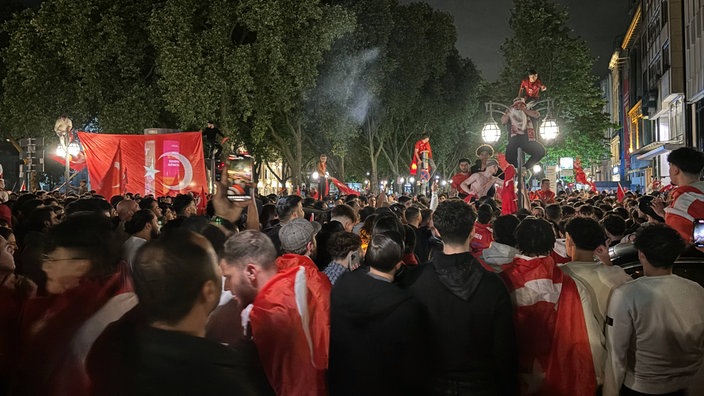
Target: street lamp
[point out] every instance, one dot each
(315, 175)
(549, 129)
(491, 132)
(66, 154)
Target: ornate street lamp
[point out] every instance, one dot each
(491, 132)
(549, 129)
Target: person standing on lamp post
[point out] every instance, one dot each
(322, 177)
(63, 127)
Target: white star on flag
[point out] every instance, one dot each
(151, 172)
(535, 379)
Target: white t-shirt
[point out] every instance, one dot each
(594, 282)
(130, 247)
(655, 335)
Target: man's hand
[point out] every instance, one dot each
(602, 253)
(229, 210)
(658, 206)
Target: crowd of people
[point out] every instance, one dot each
(375, 295)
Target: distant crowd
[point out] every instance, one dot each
(357, 295)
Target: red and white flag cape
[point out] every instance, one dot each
(290, 321)
(553, 345)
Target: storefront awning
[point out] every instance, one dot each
(654, 149)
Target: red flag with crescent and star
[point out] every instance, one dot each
(164, 164)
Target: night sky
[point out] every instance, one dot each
(482, 26)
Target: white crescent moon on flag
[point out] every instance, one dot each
(187, 170)
(117, 165)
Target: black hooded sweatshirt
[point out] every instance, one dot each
(472, 325)
(378, 338)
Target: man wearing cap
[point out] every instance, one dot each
(479, 184)
(522, 134)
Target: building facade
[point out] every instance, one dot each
(693, 44)
(657, 73)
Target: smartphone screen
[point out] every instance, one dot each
(239, 177)
(698, 233)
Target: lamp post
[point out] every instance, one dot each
(67, 152)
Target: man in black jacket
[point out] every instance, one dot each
(378, 332)
(471, 313)
(159, 348)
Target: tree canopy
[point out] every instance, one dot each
(541, 40)
(359, 80)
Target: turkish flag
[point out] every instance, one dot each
(295, 302)
(202, 202)
(77, 162)
(344, 190)
(509, 198)
(620, 194)
(166, 164)
(501, 157)
(555, 357)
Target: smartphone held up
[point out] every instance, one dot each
(239, 177)
(698, 233)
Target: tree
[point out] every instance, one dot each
(418, 49)
(542, 40)
(86, 58)
(246, 64)
(7, 9)
(392, 85)
(460, 114)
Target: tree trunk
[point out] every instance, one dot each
(341, 170)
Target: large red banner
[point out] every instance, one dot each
(165, 164)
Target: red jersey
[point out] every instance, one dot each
(547, 196)
(532, 88)
(483, 235)
(422, 146)
(457, 179)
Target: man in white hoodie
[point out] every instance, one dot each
(502, 249)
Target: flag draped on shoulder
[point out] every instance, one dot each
(554, 353)
(290, 321)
